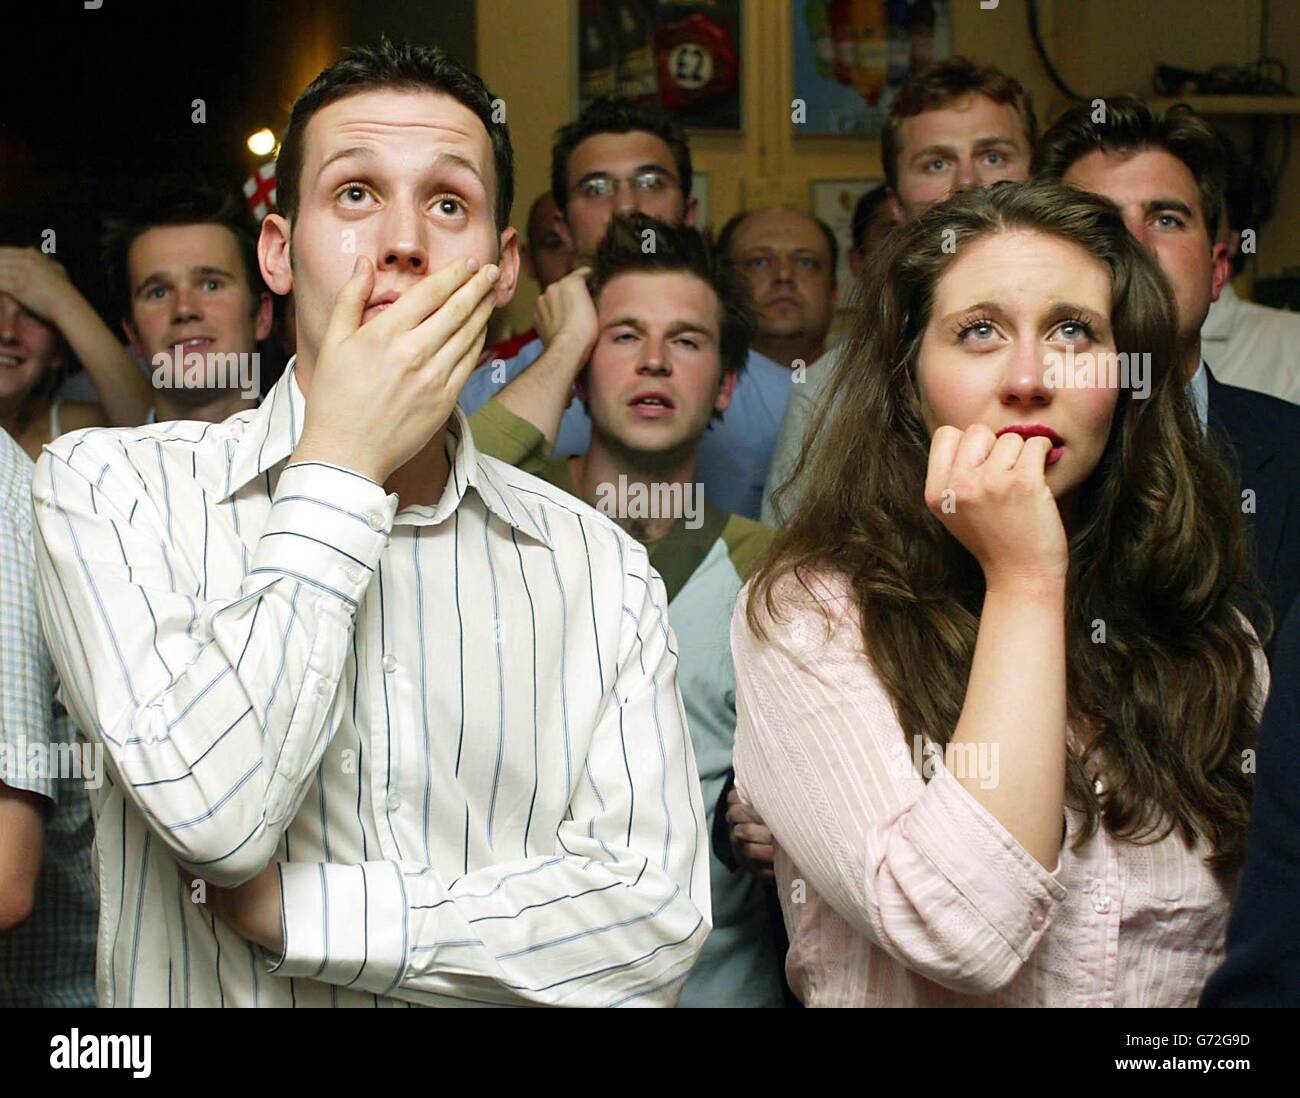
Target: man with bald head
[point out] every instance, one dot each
(788, 258)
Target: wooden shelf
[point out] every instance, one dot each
(1232, 104)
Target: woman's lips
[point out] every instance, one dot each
(1037, 430)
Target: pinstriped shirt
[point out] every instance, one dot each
(457, 728)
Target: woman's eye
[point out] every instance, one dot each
(353, 194)
(1074, 331)
(982, 332)
(1169, 221)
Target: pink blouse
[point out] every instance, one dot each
(902, 892)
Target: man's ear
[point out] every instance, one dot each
(273, 253)
(265, 316)
(1221, 269)
(508, 261)
(896, 206)
(561, 226)
(691, 212)
(726, 387)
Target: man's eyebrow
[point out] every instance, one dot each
(453, 160)
(931, 150)
(360, 151)
(640, 169)
(1155, 205)
(624, 321)
(993, 140)
(681, 326)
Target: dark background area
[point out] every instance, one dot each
(96, 103)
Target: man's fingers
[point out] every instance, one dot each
(438, 331)
(759, 852)
(426, 298)
(466, 343)
(350, 303)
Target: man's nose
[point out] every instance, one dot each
(627, 199)
(653, 358)
(964, 179)
(404, 247)
(783, 268)
(187, 304)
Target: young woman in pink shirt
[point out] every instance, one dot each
(996, 691)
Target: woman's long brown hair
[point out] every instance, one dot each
(1160, 555)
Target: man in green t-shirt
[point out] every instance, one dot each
(670, 325)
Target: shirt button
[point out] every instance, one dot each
(1037, 919)
(376, 520)
(390, 663)
(1103, 904)
(322, 686)
(394, 802)
(355, 573)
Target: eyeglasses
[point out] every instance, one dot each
(598, 188)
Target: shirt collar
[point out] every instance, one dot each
(277, 426)
(1199, 388)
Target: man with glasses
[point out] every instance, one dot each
(624, 157)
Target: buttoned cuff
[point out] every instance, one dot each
(1002, 881)
(327, 528)
(344, 924)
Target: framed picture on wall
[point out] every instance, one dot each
(852, 56)
(832, 202)
(684, 56)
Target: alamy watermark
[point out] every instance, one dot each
(179, 369)
(637, 500)
(39, 759)
(1099, 370)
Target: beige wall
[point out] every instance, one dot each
(1101, 47)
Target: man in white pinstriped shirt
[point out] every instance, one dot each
(418, 743)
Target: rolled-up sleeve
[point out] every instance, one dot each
(919, 867)
(213, 714)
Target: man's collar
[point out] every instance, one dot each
(1199, 388)
(277, 425)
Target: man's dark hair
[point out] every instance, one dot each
(1247, 197)
(941, 84)
(736, 220)
(177, 200)
(864, 210)
(608, 114)
(399, 68)
(679, 248)
(1131, 127)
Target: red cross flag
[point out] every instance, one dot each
(259, 189)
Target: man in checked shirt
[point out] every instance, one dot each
(386, 721)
